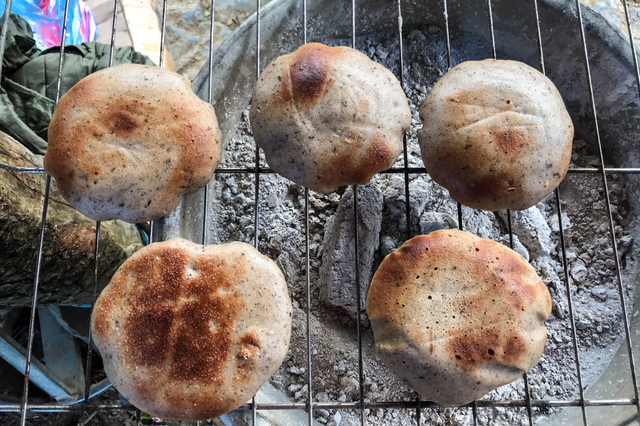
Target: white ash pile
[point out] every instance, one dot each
(382, 228)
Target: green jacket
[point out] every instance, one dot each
(30, 78)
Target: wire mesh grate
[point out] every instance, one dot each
(84, 403)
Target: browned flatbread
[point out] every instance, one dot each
(496, 134)
(128, 142)
(328, 117)
(456, 316)
(191, 332)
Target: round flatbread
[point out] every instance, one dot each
(456, 316)
(191, 332)
(496, 134)
(128, 142)
(328, 117)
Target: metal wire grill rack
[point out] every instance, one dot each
(84, 404)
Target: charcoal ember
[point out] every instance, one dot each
(338, 271)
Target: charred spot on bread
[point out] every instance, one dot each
(315, 115)
(156, 131)
(191, 332)
(310, 72)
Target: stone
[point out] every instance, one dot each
(433, 221)
(322, 412)
(66, 274)
(387, 245)
(579, 271)
(295, 387)
(322, 397)
(381, 52)
(585, 258)
(610, 264)
(558, 309)
(338, 273)
(599, 292)
(554, 223)
(579, 144)
(287, 266)
(302, 392)
(433, 29)
(583, 325)
(624, 244)
(349, 385)
(532, 229)
(416, 35)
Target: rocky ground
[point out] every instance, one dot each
(188, 28)
(188, 25)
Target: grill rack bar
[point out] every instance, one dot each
(94, 294)
(482, 403)
(256, 218)
(393, 170)
(405, 157)
(405, 153)
(565, 265)
(160, 64)
(205, 197)
(614, 245)
(525, 377)
(24, 408)
(205, 200)
(357, 267)
(32, 318)
(474, 405)
(307, 263)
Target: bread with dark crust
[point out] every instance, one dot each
(496, 134)
(456, 316)
(191, 332)
(328, 116)
(128, 142)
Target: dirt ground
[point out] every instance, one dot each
(188, 28)
(188, 25)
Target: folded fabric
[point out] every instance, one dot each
(30, 79)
